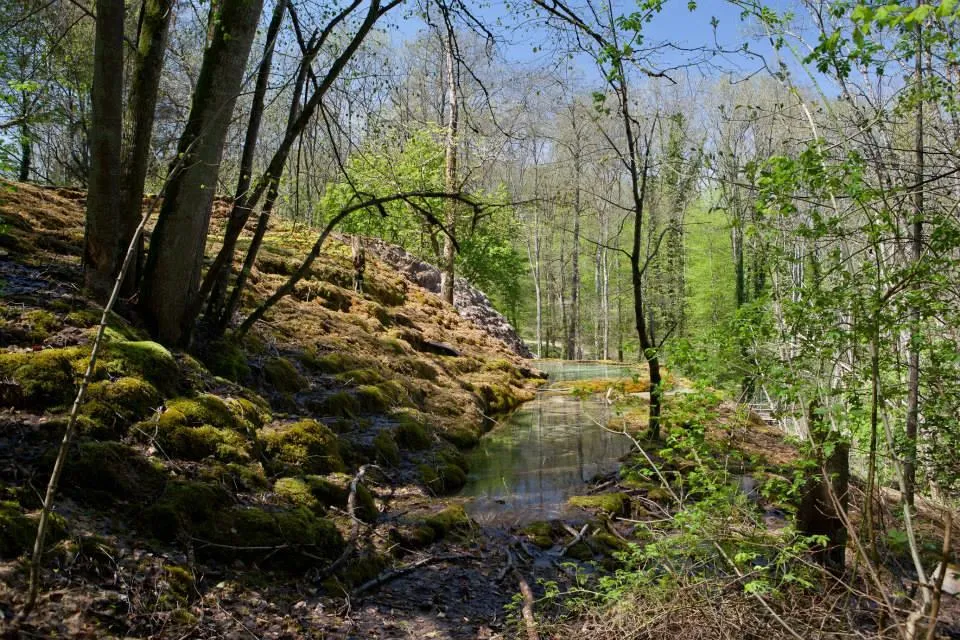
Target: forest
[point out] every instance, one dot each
(433, 318)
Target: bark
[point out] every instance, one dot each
(913, 358)
(240, 210)
(450, 169)
(141, 106)
(573, 334)
(26, 153)
(104, 242)
(176, 251)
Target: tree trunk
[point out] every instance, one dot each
(104, 241)
(141, 106)
(240, 211)
(573, 333)
(26, 153)
(177, 247)
(913, 359)
(450, 171)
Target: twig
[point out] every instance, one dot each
(393, 574)
(944, 564)
(528, 618)
(577, 537)
(355, 532)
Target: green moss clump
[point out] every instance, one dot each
(227, 359)
(385, 448)
(461, 437)
(360, 376)
(540, 533)
(44, 379)
(496, 398)
(143, 359)
(126, 399)
(246, 411)
(307, 446)
(283, 376)
(272, 537)
(451, 520)
(18, 530)
(177, 588)
(394, 390)
(341, 404)
(237, 477)
(40, 324)
(423, 369)
(607, 542)
(197, 443)
(611, 503)
(372, 399)
(336, 362)
(205, 409)
(442, 478)
(410, 433)
(334, 490)
(392, 345)
(295, 492)
(110, 472)
(183, 506)
(659, 494)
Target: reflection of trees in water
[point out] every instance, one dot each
(544, 453)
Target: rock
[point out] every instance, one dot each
(471, 303)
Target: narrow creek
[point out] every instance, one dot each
(527, 467)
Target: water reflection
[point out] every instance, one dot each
(526, 468)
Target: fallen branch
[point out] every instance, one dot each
(393, 574)
(528, 618)
(355, 532)
(577, 537)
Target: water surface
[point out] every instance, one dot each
(546, 451)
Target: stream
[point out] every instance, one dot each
(527, 467)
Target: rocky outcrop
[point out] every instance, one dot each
(471, 303)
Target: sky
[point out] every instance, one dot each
(527, 44)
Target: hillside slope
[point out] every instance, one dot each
(195, 476)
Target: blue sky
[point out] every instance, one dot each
(676, 24)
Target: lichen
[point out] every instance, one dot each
(307, 446)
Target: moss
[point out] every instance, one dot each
(247, 411)
(270, 537)
(341, 404)
(183, 506)
(392, 345)
(360, 376)
(177, 588)
(451, 520)
(307, 446)
(410, 433)
(205, 409)
(442, 478)
(540, 533)
(496, 398)
(413, 535)
(283, 376)
(607, 542)
(372, 399)
(659, 494)
(41, 379)
(394, 390)
(461, 437)
(336, 362)
(295, 492)
(227, 359)
(358, 571)
(40, 324)
(18, 530)
(385, 448)
(334, 490)
(611, 503)
(237, 477)
(109, 473)
(423, 369)
(144, 359)
(580, 551)
(119, 402)
(197, 443)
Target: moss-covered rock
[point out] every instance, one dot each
(205, 409)
(110, 473)
(183, 507)
(336, 362)
(295, 492)
(360, 376)
(449, 521)
(372, 399)
(411, 433)
(144, 359)
(41, 379)
(226, 358)
(237, 477)
(283, 376)
(540, 533)
(334, 490)
(271, 537)
(18, 530)
(442, 478)
(341, 403)
(40, 324)
(610, 503)
(385, 448)
(307, 446)
(197, 443)
(460, 437)
(117, 403)
(255, 413)
(177, 588)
